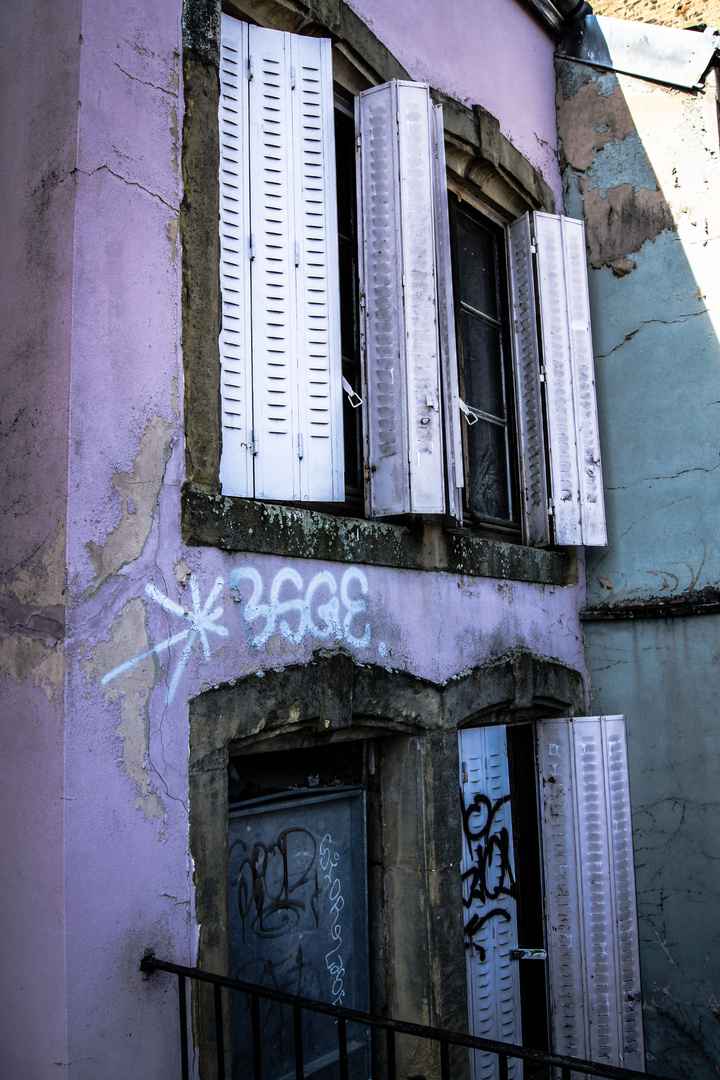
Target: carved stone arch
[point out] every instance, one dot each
(416, 853)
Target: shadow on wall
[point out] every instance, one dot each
(641, 166)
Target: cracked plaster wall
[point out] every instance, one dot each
(641, 164)
(98, 576)
(664, 676)
(38, 121)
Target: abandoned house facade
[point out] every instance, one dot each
(302, 475)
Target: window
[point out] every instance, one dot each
(485, 376)
(354, 372)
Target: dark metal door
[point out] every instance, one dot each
(298, 922)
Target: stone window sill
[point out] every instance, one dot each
(233, 524)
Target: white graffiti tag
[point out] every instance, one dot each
(319, 612)
(202, 621)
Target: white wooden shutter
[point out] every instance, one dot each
(534, 497)
(446, 320)
(398, 281)
(575, 473)
(590, 890)
(274, 333)
(281, 384)
(490, 920)
(317, 272)
(236, 465)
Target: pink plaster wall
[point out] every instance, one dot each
(38, 133)
(483, 52)
(116, 431)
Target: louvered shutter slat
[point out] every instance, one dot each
(318, 307)
(446, 319)
(565, 482)
(402, 362)
(273, 267)
(527, 386)
(562, 889)
(381, 287)
(583, 373)
(493, 978)
(590, 893)
(576, 478)
(416, 122)
(236, 464)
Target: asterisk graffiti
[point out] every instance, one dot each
(202, 621)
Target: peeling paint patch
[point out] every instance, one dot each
(23, 657)
(589, 119)
(41, 582)
(131, 691)
(139, 489)
(619, 224)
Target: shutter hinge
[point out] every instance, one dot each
(300, 446)
(292, 78)
(464, 772)
(252, 246)
(251, 70)
(357, 141)
(551, 506)
(542, 373)
(253, 447)
(297, 253)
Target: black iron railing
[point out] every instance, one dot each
(566, 1067)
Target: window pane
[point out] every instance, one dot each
(488, 487)
(476, 264)
(482, 357)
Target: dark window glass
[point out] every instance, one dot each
(485, 373)
(349, 308)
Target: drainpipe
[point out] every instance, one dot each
(559, 15)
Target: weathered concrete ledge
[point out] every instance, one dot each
(248, 525)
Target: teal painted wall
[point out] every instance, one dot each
(641, 165)
(664, 675)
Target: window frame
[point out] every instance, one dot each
(511, 528)
(474, 146)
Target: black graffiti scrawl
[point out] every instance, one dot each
(276, 883)
(489, 879)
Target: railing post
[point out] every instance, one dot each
(342, 1048)
(219, 1034)
(297, 1013)
(182, 1006)
(445, 1060)
(392, 1068)
(255, 1014)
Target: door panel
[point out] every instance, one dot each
(298, 923)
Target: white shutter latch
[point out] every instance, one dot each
(297, 253)
(292, 78)
(354, 399)
(252, 247)
(470, 416)
(251, 71)
(300, 446)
